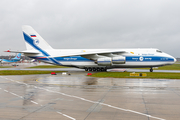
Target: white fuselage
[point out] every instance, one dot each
(134, 58)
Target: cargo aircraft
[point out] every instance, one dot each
(15, 59)
(92, 59)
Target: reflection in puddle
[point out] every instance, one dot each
(90, 81)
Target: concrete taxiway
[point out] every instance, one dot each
(76, 96)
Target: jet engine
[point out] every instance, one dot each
(106, 61)
(119, 60)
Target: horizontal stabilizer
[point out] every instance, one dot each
(25, 52)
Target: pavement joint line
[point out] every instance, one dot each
(127, 110)
(145, 104)
(99, 102)
(36, 102)
(174, 92)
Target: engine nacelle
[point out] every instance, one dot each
(119, 60)
(106, 61)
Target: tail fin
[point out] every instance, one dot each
(33, 40)
(18, 56)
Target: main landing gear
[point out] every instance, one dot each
(95, 69)
(151, 70)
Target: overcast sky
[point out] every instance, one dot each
(93, 23)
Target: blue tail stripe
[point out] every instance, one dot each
(31, 42)
(54, 61)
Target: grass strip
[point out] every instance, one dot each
(168, 67)
(152, 75)
(6, 66)
(25, 72)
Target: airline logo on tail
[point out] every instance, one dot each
(36, 41)
(18, 56)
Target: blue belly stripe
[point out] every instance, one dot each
(128, 59)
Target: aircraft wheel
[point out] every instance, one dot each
(151, 70)
(86, 69)
(90, 69)
(102, 69)
(98, 69)
(94, 69)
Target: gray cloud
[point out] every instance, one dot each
(93, 24)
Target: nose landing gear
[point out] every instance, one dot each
(151, 70)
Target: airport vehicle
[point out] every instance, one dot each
(92, 59)
(15, 59)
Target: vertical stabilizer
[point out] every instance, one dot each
(18, 56)
(33, 40)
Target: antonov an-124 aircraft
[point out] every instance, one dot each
(92, 59)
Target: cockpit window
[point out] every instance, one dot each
(158, 51)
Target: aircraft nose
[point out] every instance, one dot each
(172, 59)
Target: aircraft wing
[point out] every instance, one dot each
(83, 53)
(99, 52)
